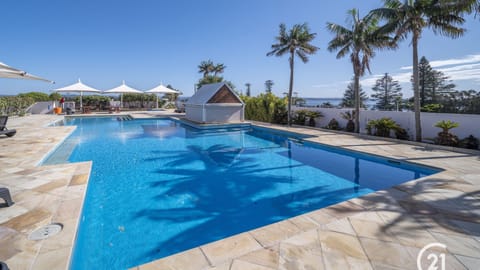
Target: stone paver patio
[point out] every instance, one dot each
(382, 230)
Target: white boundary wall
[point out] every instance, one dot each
(469, 123)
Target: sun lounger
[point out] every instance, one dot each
(3, 128)
(5, 194)
(4, 266)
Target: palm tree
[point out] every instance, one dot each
(296, 42)
(468, 6)
(218, 68)
(206, 67)
(359, 40)
(411, 17)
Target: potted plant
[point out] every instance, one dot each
(470, 142)
(349, 116)
(382, 127)
(311, 117)
(445, 137)
(333, 124)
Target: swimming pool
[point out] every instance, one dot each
(159, 187)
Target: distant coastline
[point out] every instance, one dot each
(317, 102)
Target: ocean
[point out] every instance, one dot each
(317, 102)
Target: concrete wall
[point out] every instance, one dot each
(469, 123)
(41, 107)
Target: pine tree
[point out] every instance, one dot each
(348, 100)
(268, 86)
(432, 83)
(386, 93)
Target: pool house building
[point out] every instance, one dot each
(215, 103)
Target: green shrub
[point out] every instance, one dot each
(401, 134)
(333, 124)
(434, 108)
(54, 96)
(349, 116)
(300, 117)
(470, 142)
(15, 105)
(382, 127)
(445, 137)
(36, 96)
(266, 107)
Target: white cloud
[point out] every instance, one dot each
(472, 58)
(403, 77)
(465, 72)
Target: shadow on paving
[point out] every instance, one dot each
(413, 206)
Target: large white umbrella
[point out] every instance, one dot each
(7, 71)
(78, 87)
(123, 89)
(161, 89)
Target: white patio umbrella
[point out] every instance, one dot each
(161, 89)
(122, 89)
(7, 71)
(76, 88)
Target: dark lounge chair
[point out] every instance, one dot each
(3, 127)
(5, 194)
(4, 266)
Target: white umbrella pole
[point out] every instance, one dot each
(121, 99)
(157, 100)
(81, 97)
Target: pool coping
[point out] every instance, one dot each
(250, 249)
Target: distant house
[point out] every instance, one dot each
(215, 103)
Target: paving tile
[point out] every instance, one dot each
(304, 222)
(79, 179)
(298, 257)
(372, 229)
(345, 244)
(387, 253)
(30, 220)
(192, 259)
(55, 259)
(341, 225)
(344, 209)
(459, 245)
(22, 261)
(229, 248)
(223, 266)
(469, 262)
(69, 209)
(274, 233)
(267, 257)
(242, 265)
(306, 239)
(63, 239)
(12, 212)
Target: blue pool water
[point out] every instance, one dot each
(158, 187)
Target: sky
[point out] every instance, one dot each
(148, 42)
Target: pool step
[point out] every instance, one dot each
(62, 153)
(124, 118)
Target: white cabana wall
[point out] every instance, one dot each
(215, 103)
